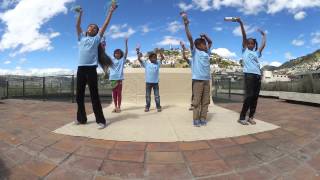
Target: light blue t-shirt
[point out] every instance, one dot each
(116, 70)
(200, 65)
(88, 50)
(152, 71)
(251, 61)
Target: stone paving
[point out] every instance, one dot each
(29, 150)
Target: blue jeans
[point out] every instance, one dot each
(155, 87)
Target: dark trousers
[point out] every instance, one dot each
(252, 83)
(192, 92)
(155, 87)
(88, 74)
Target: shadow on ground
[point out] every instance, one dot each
(4, 171)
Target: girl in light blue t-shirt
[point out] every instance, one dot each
(251, 53)
(116, 75)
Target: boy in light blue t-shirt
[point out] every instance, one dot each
(200, 66)
(151, 77)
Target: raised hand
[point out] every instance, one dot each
(261, 31)
(203, 36)
(238, 19)
(182, 45)
(184, 17)
(114, 5)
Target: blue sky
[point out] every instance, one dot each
(38, 39)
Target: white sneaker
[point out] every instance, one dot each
(101, 126)
(76, 122)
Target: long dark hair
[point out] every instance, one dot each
(103, 59)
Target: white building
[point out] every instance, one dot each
(269, 76)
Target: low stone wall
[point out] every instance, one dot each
(293, 96)
(302, 97)
(175, 86)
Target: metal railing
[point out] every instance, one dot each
(226, 87)
(61, 87)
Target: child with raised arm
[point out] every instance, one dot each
(200, 65)
(151, 77)
(116, 75)
(89, 42)
(251, 53)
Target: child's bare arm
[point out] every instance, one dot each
(78, 25)
(264, 40)
(188, 33)
(183, 52)
(139, 54)
(126, 51)
(108, 18)
(244, 35)
(161, 56)
(209, 41)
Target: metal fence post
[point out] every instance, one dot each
(23, 89)
(216, 87)
(7, 89)
(43, 87)
(72, 89)
(229, 81)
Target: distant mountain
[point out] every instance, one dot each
(310, 62)
(269, 68)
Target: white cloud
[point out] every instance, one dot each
(315, 38)
(289, 56)
(8, 3)
(174, 26)
(118, 31)
(23, 24)
(7, 62)
(218, 28)
(185, 7)
(300, 15)
(299, 41)
(203, 5)
(145, 29)
(256, 6)
(36, 72)
(223, 52)
(249, 30)
(22, 60)
(132, 58)
(169, 40)
(275, 63)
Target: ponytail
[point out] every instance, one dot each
(103, 59)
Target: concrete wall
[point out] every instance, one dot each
(175, 86)
(303, 97)
(293, 96)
